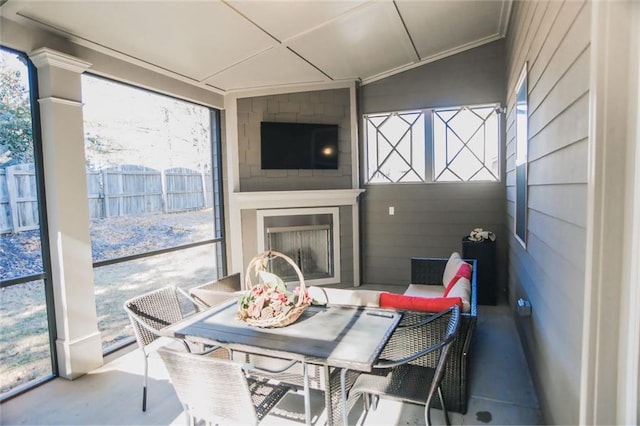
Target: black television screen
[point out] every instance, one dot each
(298, 145)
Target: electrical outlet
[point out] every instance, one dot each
(524, 308)
(392, 210)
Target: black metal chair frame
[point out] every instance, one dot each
(399, 374)
(455, 384)
(152, 311)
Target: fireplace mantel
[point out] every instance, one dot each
(284, 199)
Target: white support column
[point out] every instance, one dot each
(628, 404)
(233, 218)
(78, 344)
(611, 343)
(355, 143)
(355, 220)
(355, 181)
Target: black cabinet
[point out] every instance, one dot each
(485, 254)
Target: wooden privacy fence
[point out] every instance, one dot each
(126, 190)
(18, 198)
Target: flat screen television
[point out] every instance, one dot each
(298, 145)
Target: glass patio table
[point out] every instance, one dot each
(345, 337)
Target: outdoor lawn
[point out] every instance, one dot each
(24, 343)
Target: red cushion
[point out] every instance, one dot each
(415, 303)
(464, 271)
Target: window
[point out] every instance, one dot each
(465, 144)
(522, 145)
(27, 323)
(457, 144)
(395, 147)
(154, 192)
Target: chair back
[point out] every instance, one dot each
(228, 283)
(451, 330)
(218, 291)
(210, 389)
(417, 342)
(413, 362)
(156, 309)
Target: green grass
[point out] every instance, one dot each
(24, 339)
(24, 342)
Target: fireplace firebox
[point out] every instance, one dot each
(310, 237)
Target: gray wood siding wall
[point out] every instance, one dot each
(554, 39)
(431, 219)
(326, 107)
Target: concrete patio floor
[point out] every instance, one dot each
(501, 391)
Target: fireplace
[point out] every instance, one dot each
(309, 236)
(247, 211)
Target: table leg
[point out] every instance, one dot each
(343, 392)
(307, 394)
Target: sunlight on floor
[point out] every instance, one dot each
(501, 391)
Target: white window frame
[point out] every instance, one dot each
(408, 158)
(520, 166)
(452, 161)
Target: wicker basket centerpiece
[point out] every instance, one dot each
(268, 303)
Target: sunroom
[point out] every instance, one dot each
(516, 117)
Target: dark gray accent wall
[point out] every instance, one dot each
(432, 218)
(326, 107)
(475, 76)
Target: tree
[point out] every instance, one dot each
(16, 133)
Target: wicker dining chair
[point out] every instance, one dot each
(152, 311)
(398, 374)
(218, 291)
(220, 391)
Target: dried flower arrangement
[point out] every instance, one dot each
(269, 303)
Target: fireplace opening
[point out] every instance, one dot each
(310, 240)
(308, 246)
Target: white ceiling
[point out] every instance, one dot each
(237, 45)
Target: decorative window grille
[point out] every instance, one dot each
(465, 143)
(396, 148)
(433, 145)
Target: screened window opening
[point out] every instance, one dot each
(27, 321)
(154, 192)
